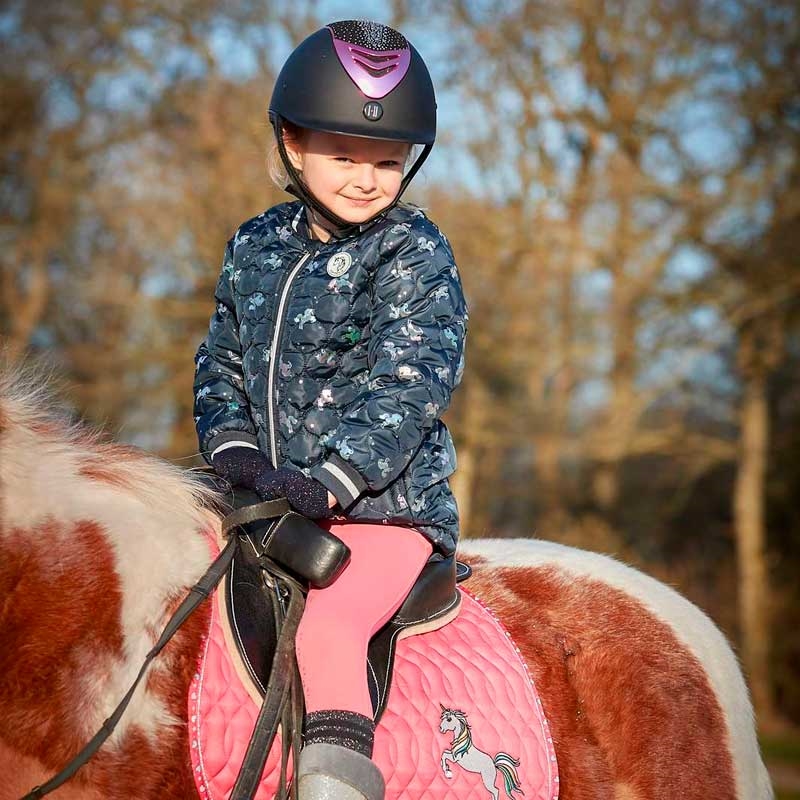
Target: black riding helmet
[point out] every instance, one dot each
(357, 78)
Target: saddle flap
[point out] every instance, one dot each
(433, 592)
(250, 615)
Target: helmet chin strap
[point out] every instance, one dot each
(297, 187)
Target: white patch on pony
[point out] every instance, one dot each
(154, 528)
(690, 625)
(105, 685)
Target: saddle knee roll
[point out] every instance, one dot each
(307, 550)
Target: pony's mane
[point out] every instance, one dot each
(35, 424)
(126, 526)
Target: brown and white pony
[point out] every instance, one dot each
(98, 541)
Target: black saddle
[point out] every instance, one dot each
(251, 596)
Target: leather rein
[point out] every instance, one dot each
(283, 700)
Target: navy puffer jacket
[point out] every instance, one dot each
(339, 359)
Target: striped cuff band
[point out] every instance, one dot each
(341, 480)
(234, 443)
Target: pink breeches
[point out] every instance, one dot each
(339, 621)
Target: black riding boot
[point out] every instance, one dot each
(335, 762)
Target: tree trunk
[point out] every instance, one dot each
(470, 445)
(751, 542)
(24, 302)
(614, 439)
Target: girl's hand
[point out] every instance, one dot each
(306, 495)
(241, 466)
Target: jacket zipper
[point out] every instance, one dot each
(272, 401)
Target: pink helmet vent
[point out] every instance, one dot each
(375, 56)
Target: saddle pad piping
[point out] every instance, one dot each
(195, 719)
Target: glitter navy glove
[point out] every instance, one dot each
(241, 466)
(305, 495)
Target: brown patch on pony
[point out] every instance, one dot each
(103, 472)
(60, 625)
(631, 710)
(45, 428)
(474, 561)
(28, 772)
(44, 627)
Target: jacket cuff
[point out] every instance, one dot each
(340, 479)
(231, 439)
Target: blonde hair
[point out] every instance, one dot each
(275, 166)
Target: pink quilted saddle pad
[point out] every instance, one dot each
(463, 720)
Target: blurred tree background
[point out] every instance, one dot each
(621, 185)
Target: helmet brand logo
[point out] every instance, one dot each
(373, 110)
(339, 263)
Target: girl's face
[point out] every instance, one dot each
(355, 178)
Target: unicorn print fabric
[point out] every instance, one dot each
(347, 378)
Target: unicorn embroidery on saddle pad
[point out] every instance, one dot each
(464, 753)
(469, 670)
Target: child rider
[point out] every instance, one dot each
(337, 340)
